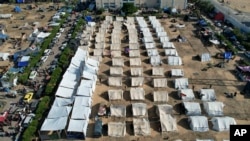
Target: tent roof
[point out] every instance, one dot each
(78, 126)
(159, 71)
(198, 123)
(100, 45)
(54, 124)
(115, 94)
(135, 61)
(117, 62)
(177, 72)
(84, 91)
(118, 110)
(137, 81)
(171, 52)
(80, 112)
(160, 96)
(62, 102)
(141, 127)
(149, 45)
(116, 71)
(174, 60)
(214, 108)
(152, 52)
(168, 45)
(136, 71)
(56, 112)
(137, 93)
(83, 101)
(205, 57)
(116, 53)
(164, 109)
(133, 46)
(186, 94)
(222, 123)
(115, 81)
(181, 83)
(64, 92)
(192, 108)
(134, 53)
(116, 129)
(160, 83)
(155, 60)
(139, 109)
(115, 47)
(207, 95)
(168, 123)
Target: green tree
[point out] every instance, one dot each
(129, 8)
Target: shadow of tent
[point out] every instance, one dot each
(105, 96)
(148, 72)
(171, 83)
(129, 112)
(174, 95)
(90, 131)
(149, 97)
(130, 128)
(109, 63)
(94, 110)
(184, 123)
(126, 95)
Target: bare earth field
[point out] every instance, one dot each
(222, 80)
(241, 5)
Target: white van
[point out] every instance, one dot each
(28, 120)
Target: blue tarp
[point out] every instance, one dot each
(228, 55)
(3, 36)
(23, 64)
(19, 1)
(16, 70)
(88, 18)
(202, 23)
(17, 9)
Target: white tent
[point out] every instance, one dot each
(89, 75)
(214, 108)
(135, 61)
(161, 34)
(100, 45)
(137, 81)
(222, 123)
(64, 92)
(115, 94)
(137, 93)
(83, 101)
(116, 53)
(164, 39)
(160, 96)
(174, 60)
(4, 56)
(168, 123)
(148, 39)
(141, 127)
(88, 83)
(192, 108)
(116, 129)
(84, 91)
(152, 52)
(80, 112)
(133, 46)
(78, 126)
(115, 81)
(116, 71)
(117, 62)
(98, 52)
(168, 45)
(155, 60)
(136, 71)
(177, 72)
(97, 58)
(186, 94)
(56, 112)
(160, 83)
(115, 47)
(118, 110)
(159, 29)
(139, 109)
(171, 52)
(54, 124)
(198, 123)
(207, 95)
(62, 102)
(164, 109)
(134, 53)
(181, 83)
(149, 45)
(205, 57)
(158, 71)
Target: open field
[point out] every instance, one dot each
(241, 5)
(222, 80)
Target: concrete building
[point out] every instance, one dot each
(116, 4)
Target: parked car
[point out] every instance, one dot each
(44, 59)
(28, 120)
(47, 52)
(58, 35)
(28, 97)
(51, 69)
(10, 95)
(55, 40)
(54, 62)
(33, 75)
(33, 105)
(61, 30)
(62, 47)
(39, 92)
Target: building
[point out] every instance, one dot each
(116, 4)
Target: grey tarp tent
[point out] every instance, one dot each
(115, 94)
(115, 81)
(160, 83)
(158, 71)
(141, 127)
(160, 96)
(137, 81)
(136, 71)
(116, 71)
(116, 129)
(139, 110)
(192, 108)
(135, 61)
(118, 110)
(137, 93)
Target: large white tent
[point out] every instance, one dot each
(181, 83)
(64, 92)
(168, 45)
(116, 71)
(205, 57)
(115, 53)
(62, 102)
(88, 83)
(136, 71)
(139, 109)
(186, 94)
(135, 61)
(83, 101)
(171, 52)
(198, 123)
(115, 81)
(160, 96)
(134, 53)
(150, 45)
(56, 112)
(164, 39)
(141, 127)
(137, 81)
(214, 108)
(164, 109)
(177, 72)
(207, 95)
(155, 60)
(116, 129)
(80, 112)
(133, 46)
(160, 83)
(192, 108)
(152, 52)
(115, 94)
(157, 71)
(84, 91)
(222, 123)
(118, 110)
(174, 60)
(54, 124)
(79, 126)
(117, 62)
(137, 93)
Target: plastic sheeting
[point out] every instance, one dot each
(222, 123)
(174, 60)
(155, 60)
(171, 52)
(137, 93)
(135, 61)
(214, 108)
(56, 112)
(192, 108)
(160, 83)
(78, 126)
(115, 94)
(115, 81)
(198, 123)
(160, 96)
(80, 112)
(141, 127)
(158, 71)
(116, 129)
(152, 52)
(134, 46)
(177, 72)
(118, 110)
(168, 45)
(137, 81)
(54, 124)
(181, 83)
(139, 109)
(138, 71)
(207, 95)
(186, 94)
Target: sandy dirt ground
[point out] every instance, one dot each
(241, 5)
(222, 80)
